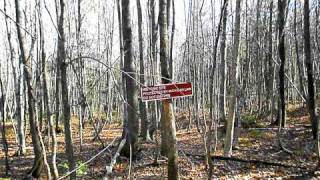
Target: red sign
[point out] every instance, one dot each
(166, 91)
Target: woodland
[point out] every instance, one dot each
(72, 74)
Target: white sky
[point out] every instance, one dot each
(91, 9)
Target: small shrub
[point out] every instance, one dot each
(255, 133)
(64, 166)
(249, 121)
(80, 172)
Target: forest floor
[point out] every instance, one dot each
(258, 142)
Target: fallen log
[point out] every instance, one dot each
(252, 161)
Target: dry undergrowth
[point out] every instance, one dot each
(257, 144)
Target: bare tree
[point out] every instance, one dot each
(168, 126)
(233, 84)
(282, 4)
(62, 65)
(223, 67)
(299, 63)
(3, 126)
(131, 127)
(16, 80)
(145, 124)
(46, 97)
(308, 61)
(214, 59)
(38, 159)
(269, 71)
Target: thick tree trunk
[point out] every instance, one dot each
(168, 126)
(123, 84)
(132, 125)
(282, 55)
(307, 53)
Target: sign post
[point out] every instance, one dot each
(166, 91)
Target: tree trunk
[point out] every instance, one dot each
(299, 63)
(282, 55)
(46, 96)
(132, 125)
(3, 128)
(214, 57)
(123, 85)
(82, 98)
(233, 84)
(172, 39)
(145, 124)
(308, 61)
(16, 80)
(38, 159)
(64, 91)
(168, 126)
(223, 68)
(270, 77)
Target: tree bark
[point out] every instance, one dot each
(64, 91)
(38, 159)
(16, 80)
(3, 128)
(46, 96)
(132, 125)
(214, 57)
(145, 124)
(233, 84)
(223, 67)
(270, 77)
(172, 39)
(308, 61)
(168, 126)
(282, 55)
(299, 63)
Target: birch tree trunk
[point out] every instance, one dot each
(16, 81)
(223, 67)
